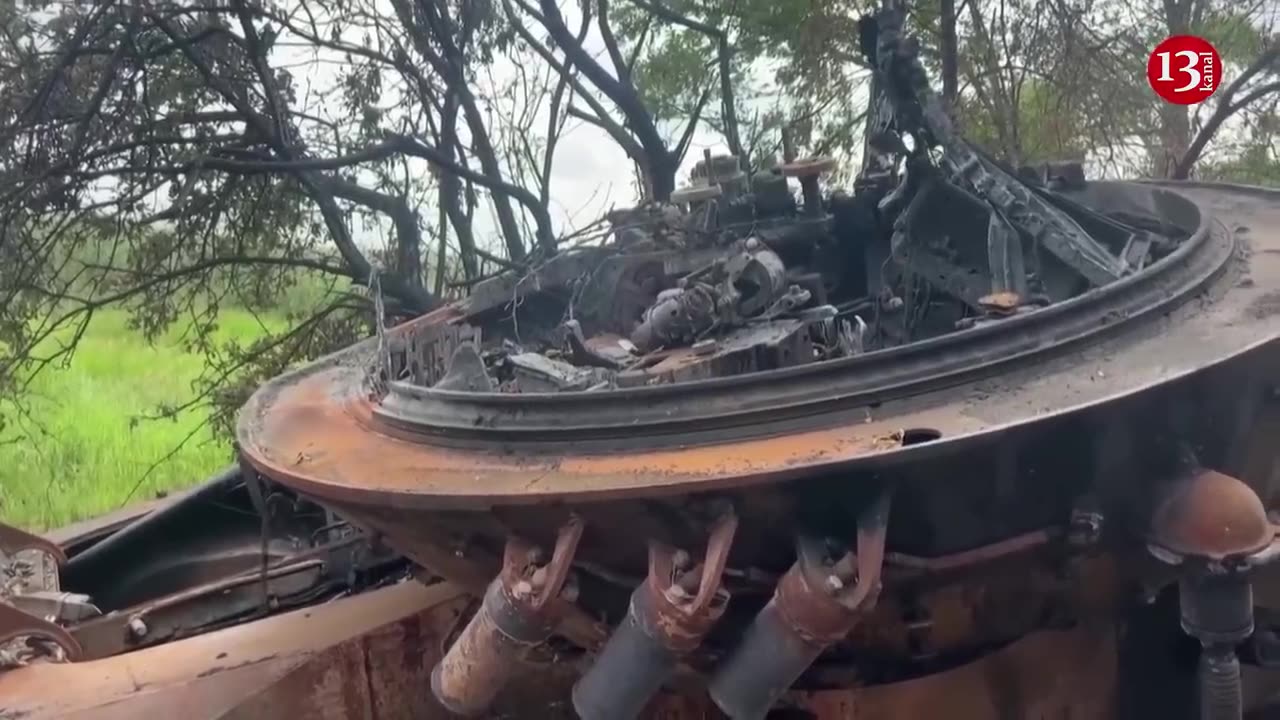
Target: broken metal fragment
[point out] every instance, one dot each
(584, 354)
(538, 373)
(466, 372)
(679, 316)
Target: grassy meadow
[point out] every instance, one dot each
(90, 451)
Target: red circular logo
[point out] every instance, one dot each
(1184, 69)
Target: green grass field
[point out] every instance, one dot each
(90, 454)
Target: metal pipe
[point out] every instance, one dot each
(816, 604)
(773, 653)
(812, 194)
(668, 616)
(1217, 610)
(484, 657)
(520, 610)
(630, 669)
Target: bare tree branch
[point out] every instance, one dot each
(1227, 106)
(724, 62)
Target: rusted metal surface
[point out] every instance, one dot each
(196, 610)
(1004, 303)
(669, 615)
(15, 624)
(453, 537)
(366, 658)
(967, 614)
(682, 620)
(805, 599)
(519, 611)
(481, 660)
(459, 537)
(1210, 515)
(13, 541)
(1213, 528)
(1063, 674)
(1213, 531)
(471, 567)
(807, 167)
(236, 670)
(821, 600)
(1052, 674)
(320, 440)
(816, 604)
(30, 563)
(954, 231)
(217, 595)
(523, 564)
(995, 435)
(1025, 542)
(1012, 436)
(761, 396)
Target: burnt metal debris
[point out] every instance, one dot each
(31, 604)
(734, 277)
(669, 615)
(519, 611)
(817, 602)
(1038, 369)
(180, 571)
(922, 450)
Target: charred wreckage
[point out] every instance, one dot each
(921, 450)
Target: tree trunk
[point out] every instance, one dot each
(948, 46)
(431, 32)
(451, 189)
(408, 243)
(1175, 123)
(409, 260)
(989, 85)
(662, 176)
(1175, 138)
(442, 254)
(483, 148)
(661, 161)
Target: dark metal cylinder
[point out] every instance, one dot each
(483, 658)
(1217, 609)
(629, 670)
(1221, 696)
(812, 193)
(770, 657)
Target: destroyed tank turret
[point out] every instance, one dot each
(839, 450)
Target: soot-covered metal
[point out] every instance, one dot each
(811, 440)
(970, 442)
(735, 277)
